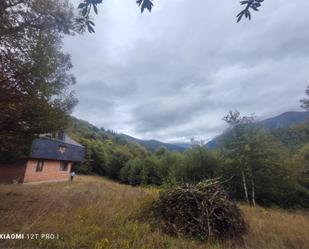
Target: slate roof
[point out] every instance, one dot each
(49, 148)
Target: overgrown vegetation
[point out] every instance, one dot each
(93, 212)
(262, 167)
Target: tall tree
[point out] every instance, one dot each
(35, 76)
(237, 147)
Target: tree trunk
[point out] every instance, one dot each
(253, 192)
(245, 185)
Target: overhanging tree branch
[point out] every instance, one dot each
(86, 5)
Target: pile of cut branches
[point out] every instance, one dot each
(202, 211)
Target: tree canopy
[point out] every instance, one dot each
(35, 78)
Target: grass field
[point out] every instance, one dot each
(93, 212)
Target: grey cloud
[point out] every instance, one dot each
(174, 73)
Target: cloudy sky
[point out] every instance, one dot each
(173, 74)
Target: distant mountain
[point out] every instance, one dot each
(88, 130)
(283, 120)
(153, 145)
(183, 145)
(213, 143)
(83, 129)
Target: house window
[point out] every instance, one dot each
(64, 166)
(62, 149)
(39, 166)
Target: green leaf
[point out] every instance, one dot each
(84, 11)
(95, 8)
(90, 29)
(145, 4)
(82, 5)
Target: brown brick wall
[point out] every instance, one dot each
(51, 172)
(12, 172)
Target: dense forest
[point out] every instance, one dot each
(256, 165)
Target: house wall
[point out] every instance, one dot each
(51, 171)
(13, 172)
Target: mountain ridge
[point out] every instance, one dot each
(153, 144)
(283, 120)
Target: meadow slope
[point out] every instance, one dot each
(93, 212)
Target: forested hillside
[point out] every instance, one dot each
(285, 120)
(256, 165)
(152, 145)
(286, 127)
(105, 151)
(293, 137)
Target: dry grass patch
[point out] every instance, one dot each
(275, 228)
(93, 212)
